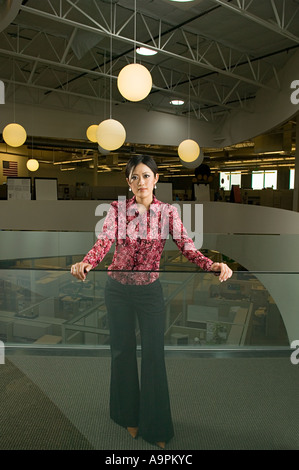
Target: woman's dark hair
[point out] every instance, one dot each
(145, 159)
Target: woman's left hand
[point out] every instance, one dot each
(225, 271)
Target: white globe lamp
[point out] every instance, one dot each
(189, 153)
(91, 132)
(134, 82)
(32, 164)
(14, 135)
(111, 134)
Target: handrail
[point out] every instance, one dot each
(195, 270)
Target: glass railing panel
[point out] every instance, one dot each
(251, 252)
(51, 307)
(239, 312)
(42, 249)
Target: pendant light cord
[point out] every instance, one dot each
(189, 105)
(14, 91)
(111, 26)
(135, 28)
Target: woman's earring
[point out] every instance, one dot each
(155, 186)
(130, 189)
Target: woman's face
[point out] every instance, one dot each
(142, 181)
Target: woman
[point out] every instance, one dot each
(139, 227)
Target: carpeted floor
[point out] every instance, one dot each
(61, 402)
(30, 420)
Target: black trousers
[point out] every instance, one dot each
(132, 403)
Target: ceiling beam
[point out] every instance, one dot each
(241, 10)
(92, 73)
(201, 62)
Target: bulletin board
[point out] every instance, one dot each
(18, 188)
(45, 189)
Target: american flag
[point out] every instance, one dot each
(10, 168)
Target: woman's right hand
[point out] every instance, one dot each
(80, 270)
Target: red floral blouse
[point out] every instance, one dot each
(140, 240)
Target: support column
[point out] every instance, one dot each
(296, 184)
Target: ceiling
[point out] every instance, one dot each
(216, 55)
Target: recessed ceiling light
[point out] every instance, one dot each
(145, 51)
(177, 102)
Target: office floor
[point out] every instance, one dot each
(61, 402)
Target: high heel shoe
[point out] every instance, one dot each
(133, 431)
(161, 445)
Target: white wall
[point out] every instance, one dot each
(269, 109)
(142, 126)
(219, 217)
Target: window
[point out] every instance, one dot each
(292, 179)
(229, 178)
(257, 180)
(264, 179)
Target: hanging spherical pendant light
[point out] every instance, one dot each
(189, 153)
(14, 135)
(134, 82)
(32, 164)
(91, 132)
(111, 134)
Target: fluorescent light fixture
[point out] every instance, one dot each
(73, 161)
(177, 102)
(178, 176)
(277, 152)
(172, 165)
(182, 1)
(145, 51)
